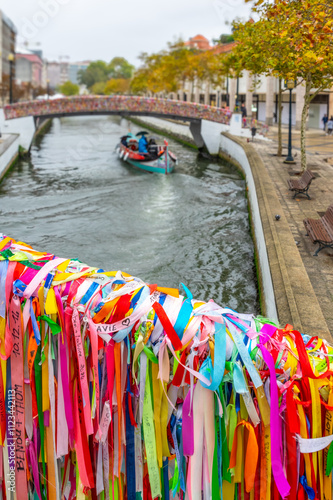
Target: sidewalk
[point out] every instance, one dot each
(9, 145)
(317, 140)
(5, 141)
(320, 148)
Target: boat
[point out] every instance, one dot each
(142, 152)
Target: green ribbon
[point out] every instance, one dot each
(329, 463)
(6, 253)
(55, 329)
(150, 355)
(38, 382)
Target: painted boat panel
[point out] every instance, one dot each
(164, 164)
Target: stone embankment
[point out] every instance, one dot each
(295, 287)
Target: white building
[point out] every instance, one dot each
(259, 93)
(7, 46)
(74, 68)
(57, 73)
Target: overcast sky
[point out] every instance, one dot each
(102, 29)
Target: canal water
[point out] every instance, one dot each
(77, 199)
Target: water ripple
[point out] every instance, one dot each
(76, 198)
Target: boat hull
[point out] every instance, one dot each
(164, 164)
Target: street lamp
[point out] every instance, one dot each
(218, 98)
(237, 93)
(290, 85)
(48, 88)
(11, 59)
(227, 90)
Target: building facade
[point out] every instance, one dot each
(29, 68)
(57, 73)
(259, 94)
(7, 46)
(74, 68)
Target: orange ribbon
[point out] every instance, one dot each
(251, 457)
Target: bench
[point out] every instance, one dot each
(321, 230)
(301, 185)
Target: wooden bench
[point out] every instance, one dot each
(321, 230)
(301, 185)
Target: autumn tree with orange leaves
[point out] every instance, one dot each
(295, 42)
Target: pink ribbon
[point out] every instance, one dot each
(280, 479)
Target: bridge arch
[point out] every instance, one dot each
(205, 121)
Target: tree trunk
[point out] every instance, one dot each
(279, 151)
(305, 111)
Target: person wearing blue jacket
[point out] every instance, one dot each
(143, 143)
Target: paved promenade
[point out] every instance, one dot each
(320, 161)
(5, 141)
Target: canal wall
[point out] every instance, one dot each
(233, 151)
(17, 135)
(234, 154)
(279, 258)
(9, 150)
(170, 128)
(285, 289)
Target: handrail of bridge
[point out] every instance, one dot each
(111, 356)
(116, 104)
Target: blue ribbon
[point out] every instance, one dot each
(207, 370)
(34, 323)
(238, 379)
(183, 317)
(309, 491)
(3, 275)
(130, 457)
(89, 293)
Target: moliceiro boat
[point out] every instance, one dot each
(142, 152)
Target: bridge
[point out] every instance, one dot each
(206, 122)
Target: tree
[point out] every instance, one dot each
(97, 71)
(68, 88)
(117, 86)
(98, 88)
(260, 54)
(309, 38)
(224, 39)
(120, 68)
(169, 70)
(291, 40)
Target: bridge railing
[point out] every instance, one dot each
(116, 105)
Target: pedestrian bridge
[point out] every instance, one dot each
(206, 122)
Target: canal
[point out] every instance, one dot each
(76, 199)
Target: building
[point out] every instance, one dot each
(57, 73)
(259, 93)
(198, 42)
(29, 68)
(7, 46)
(74, 69)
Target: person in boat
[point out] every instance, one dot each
(124, 140)
(143, 143)
(152, 146)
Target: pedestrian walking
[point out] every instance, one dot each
(244, 114)
(324, 120)
(330, 126)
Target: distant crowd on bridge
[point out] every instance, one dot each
(117, 104)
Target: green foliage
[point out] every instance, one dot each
(97, 71)
(168, 70)
(224, 39)
(98, 88)
(291, 40)
(101, 72)
(68, 88)
(117, 86)
(120, 68)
